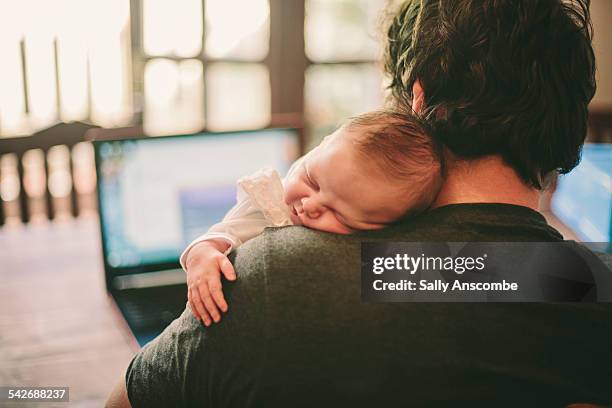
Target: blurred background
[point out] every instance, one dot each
(172, 68)
(160, 68)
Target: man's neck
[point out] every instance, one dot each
(485, 180)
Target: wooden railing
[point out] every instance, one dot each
(32, 185)
(22, 185)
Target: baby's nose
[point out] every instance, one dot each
(311, 208)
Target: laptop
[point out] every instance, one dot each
(583, 197)
(155, 195)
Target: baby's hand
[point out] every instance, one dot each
(205, 263)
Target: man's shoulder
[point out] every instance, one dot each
(298, 253)
(304, 249)
(294, 241)
(296, 250)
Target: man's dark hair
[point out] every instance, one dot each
(507, 77)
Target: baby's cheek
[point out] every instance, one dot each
(329, 223)
(294, 190)
(289, 190)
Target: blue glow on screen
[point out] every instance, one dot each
(583, 198)
(157, 194)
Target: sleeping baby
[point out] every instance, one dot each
(377, 168)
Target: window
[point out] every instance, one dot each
(187, 65)
(224, 85)
(63, 61)
(341, 30)
(343, 78)
(239, 29)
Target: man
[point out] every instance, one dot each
(505, 86)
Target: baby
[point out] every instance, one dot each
(375, 169)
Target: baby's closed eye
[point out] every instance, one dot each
(309, 179)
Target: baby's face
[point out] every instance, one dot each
(333, 189)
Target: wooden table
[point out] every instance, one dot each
(58, 327)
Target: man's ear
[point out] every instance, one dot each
(418, 97)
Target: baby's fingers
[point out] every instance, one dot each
(192, 306)
(228, 269)
(199, 306)
(214, 285)
(209, 304)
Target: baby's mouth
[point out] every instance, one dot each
(295, 216)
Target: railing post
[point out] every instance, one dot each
(23, 195)
(74, 203)
(48, 197)
(2, 216)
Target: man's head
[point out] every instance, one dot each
(501, 77)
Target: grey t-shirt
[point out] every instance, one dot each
(298, 334)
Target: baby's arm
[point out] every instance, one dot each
(204, 260)
(205, 264)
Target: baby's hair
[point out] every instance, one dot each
(400, 146)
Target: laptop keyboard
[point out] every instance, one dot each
(152, 308)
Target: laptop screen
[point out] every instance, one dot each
(157, 194)
(583, 197)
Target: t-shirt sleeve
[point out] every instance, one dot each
(157, 375)
(189, 364)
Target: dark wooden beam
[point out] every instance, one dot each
(48, 196)
(2, 216)
(287, 60)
